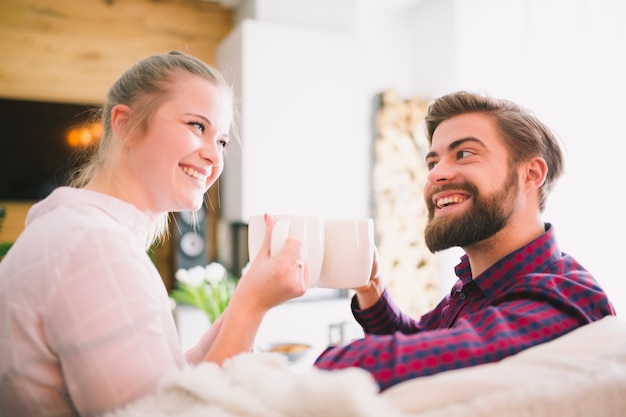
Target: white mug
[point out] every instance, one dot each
(308, 229)
(348, 253)
(340, 252)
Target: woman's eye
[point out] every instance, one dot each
(198, 125)
(223, 143)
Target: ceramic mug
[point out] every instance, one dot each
(340, 252)
(308, 229)
(348, 253)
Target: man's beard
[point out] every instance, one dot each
(487, 216)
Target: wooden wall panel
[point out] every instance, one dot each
(71, 51)
(399, 174)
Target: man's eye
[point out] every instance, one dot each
(430, 164)
(464, 154)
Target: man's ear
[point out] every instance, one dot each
(536, 172)
(120, 119)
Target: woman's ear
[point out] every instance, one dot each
(120, 119)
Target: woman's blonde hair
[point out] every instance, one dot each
(144, 87)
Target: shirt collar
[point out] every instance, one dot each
(543, 250)
(123, 212)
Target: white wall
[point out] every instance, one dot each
(564, 59)
(301, 137)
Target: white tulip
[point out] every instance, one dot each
(182, 275)
(197, 275)
(214, 273)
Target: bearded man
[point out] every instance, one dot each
(491, 165)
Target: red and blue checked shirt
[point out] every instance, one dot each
(531, 296)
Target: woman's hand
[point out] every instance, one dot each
(272, 281)
(267, 283)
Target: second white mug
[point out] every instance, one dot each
(348, 253)
(339, 252)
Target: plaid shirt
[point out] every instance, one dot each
(531, 296)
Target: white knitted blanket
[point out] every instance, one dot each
(581, 374)
(262, 385)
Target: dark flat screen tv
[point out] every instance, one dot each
(35, 156)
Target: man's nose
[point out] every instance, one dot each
(442, 171)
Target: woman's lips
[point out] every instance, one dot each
(194, 173)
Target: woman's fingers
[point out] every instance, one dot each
(273, 280)
(267, 239)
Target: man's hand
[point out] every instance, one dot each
(371, 292)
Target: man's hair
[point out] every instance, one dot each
(524, 134)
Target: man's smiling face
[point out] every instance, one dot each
(471, 189)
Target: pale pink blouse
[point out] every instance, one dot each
(85, 322)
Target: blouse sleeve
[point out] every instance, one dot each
(109, 323)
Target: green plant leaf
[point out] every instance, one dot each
(211, 299)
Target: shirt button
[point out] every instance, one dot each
(462, 296)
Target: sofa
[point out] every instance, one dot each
(582, 373)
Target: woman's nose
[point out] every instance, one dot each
(212, 152)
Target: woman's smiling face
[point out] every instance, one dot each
(181, 154)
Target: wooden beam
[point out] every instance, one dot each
(72, 51)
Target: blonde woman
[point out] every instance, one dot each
(85, 323)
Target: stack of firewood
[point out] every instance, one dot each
(400, 214)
